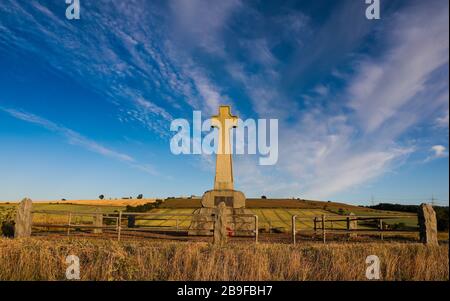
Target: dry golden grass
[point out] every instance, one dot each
(39, 259)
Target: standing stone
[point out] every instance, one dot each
(352, 224)
(220, 225)
(23, 220)
(98, 221)
(202, 222)
(427, 225)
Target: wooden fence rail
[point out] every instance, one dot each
(325, 223)
(426, 220)
(120, 217)
(324, 219)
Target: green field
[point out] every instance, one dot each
(168, 218)
(279, 218)
(60, 218)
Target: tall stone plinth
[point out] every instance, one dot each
(237, 225)
(232, 198)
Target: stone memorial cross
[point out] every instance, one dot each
(224, 165)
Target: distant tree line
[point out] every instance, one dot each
(102, 196)
(144, 207)
(441, 212)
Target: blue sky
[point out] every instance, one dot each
(86, 105)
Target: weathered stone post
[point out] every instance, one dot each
(98, 221)
(352, 224)
(427, 225)
(23, 220)
(220, 225)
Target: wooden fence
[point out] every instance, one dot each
(126, 222)
(324, 225)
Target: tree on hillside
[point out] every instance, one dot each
(263, 197)
(139, 197)
(101, 197)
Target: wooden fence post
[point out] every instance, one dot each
(256, 229)
(69, 221)
(294, 228)
(98, 221)
(352, 224)
(119, 225)
(323, 229)
(381, 229)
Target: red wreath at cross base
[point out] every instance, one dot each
(230, 231)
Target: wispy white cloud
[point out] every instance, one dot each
(328, 150)
(322, 90)
(75, 138)
(443, 120)
(93, 55)
(200, 23)
(393, 86)
(147, 63)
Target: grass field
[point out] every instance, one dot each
(279, 218)
(57, 219)
(44, 259)
(169, 218)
